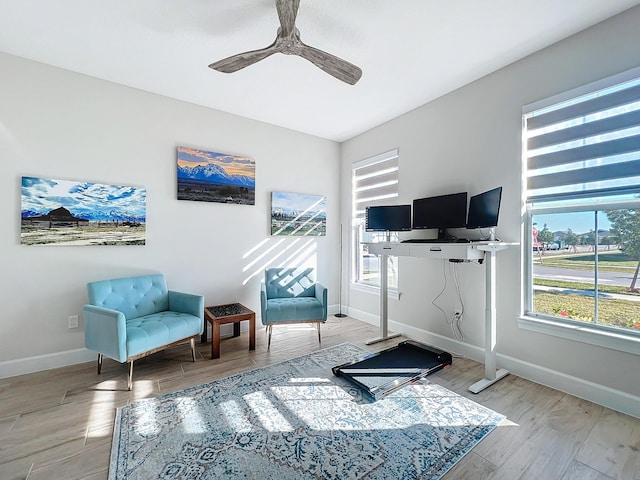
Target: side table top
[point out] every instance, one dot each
(228, 310)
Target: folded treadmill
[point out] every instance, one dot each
(383, 372)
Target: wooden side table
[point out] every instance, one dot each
(230, 313)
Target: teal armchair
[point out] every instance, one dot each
(292, 295)
(130, 318)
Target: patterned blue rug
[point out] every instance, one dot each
(296, 420)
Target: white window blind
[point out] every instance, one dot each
(375, 182)
(587, 146)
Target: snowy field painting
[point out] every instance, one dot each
(62, 212)
(297, 214)
(215, 177)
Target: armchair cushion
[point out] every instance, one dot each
(290, 282)
(133, 296)
(290, 309)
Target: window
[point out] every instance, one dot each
(582, 197)
(375, 182)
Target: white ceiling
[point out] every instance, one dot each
(410, 51)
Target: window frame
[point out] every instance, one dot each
(591, 333)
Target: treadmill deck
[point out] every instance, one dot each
(383, 372)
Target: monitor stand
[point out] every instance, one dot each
(443, 236)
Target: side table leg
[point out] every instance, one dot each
(215, 340)
(252, 332)
(203, 337)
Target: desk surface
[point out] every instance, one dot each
(452, 250)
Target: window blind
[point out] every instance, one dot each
(587, 146)
(375, 182)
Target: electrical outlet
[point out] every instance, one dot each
(73, 321)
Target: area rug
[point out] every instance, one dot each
(296, 420)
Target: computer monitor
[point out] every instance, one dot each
(441, 212)
(388, 218)
(484, 209)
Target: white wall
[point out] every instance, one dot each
(470, 140)
(61, 125)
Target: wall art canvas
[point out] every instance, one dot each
(62, 212)
(298, 214)
(215, 177)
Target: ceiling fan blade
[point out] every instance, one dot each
(287, 13)
(341, 69)
(241, 60)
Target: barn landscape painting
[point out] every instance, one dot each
(63, 212)
(215, 177)
(298, 214)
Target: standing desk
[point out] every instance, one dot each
(485, 251)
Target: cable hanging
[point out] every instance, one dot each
(456, 320)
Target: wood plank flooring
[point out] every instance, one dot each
(57, 424)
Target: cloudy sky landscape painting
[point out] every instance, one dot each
(81, 213)
(92, 201)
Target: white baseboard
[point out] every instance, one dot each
(593, 392)
(362, 316)
(38, 363)
(602, 395)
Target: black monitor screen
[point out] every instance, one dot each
(443, 211)
(484, 209)
(388, 218)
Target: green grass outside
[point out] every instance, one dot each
(584, 286)
(612, 312)
(610, 262)
(615, 313)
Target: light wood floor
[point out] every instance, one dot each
(58, 424)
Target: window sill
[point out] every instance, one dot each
(373, 290)
(582, 333)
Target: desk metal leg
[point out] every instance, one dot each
(491, 375)
(384, 304)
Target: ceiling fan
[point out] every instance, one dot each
(288, 42)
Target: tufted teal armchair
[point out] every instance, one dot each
(292, 295)
(130, 318)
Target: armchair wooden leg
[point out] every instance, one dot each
(99, 363)
(319, 339)
(193, 349)
(269, 329)
(130, 378)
